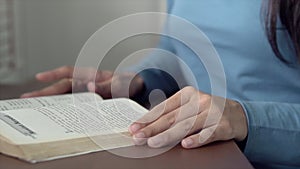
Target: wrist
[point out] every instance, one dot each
(240, 119)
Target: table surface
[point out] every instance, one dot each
(216, 155)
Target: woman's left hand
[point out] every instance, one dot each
(192, 117)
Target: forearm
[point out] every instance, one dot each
(273, 133)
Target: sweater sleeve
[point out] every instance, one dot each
(273, 133)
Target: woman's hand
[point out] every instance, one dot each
(191, 117)
(88, 79)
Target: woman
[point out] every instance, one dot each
(262, 109)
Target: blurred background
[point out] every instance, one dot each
(38, 35)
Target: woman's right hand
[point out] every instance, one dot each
(88, 79)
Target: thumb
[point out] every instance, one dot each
(103, 88)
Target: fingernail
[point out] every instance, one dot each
(25, 95)
(134, 128)
(139, 139)
(39, 75)
(91, 87)
(155, 142)
(140, 135)
(187, 142)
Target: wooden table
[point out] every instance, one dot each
(217, 155)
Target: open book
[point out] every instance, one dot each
(46, 128)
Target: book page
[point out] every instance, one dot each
(48, 101)
(62, 122)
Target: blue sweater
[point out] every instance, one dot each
(268, 89)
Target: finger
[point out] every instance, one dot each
(168, 120)
(180, 98)
(178, 131)
(174, 102)
(162, 124)
(103, 88)
(103, 76)
(63, 86)
(91, 86)
(206, 136)
(91, 75)
(78, 85)
(56, 74)
(172, 135)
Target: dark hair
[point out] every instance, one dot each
(288, 11)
